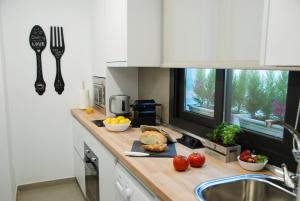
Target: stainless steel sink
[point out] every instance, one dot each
(249, 187)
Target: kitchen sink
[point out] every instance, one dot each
(248, 187)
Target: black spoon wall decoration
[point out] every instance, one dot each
(38, 42)
(57, 46)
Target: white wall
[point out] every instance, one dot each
(41, 125)
(121, 80)
(154, 83)
(7, 180)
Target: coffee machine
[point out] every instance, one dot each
(144, 113)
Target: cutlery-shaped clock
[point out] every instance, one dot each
(38, 42)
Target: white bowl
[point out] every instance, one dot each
(252, 166)
(116, 127)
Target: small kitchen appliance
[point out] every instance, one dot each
(144, 113)
(119, 105)
(99, 91)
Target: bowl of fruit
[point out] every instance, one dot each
(117, 124)
(252, 162)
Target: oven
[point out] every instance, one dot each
(99, 91)
(91, 174)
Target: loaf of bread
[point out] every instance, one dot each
(152, 137)
(156, 147)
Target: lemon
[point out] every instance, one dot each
(120, 118)
(89, 110)
(114, 121)
(108, 121)
(124, 121)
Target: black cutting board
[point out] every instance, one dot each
(170, 153)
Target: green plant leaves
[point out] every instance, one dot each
(225, 134)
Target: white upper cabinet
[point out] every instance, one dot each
(282, 33)
(133, 35)
(231, 33)
(98, 28)
(205, 33)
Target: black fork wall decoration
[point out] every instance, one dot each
(57, 47)
(38, 42)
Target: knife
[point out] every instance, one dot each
(133, 153)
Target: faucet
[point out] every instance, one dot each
(293, 131)
(290, 181)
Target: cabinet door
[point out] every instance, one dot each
(207, 33)
(99, 38)
(189, 31)
(78, 137)
(283, 33)
(107, 175)
(79, 171)
(116, 24)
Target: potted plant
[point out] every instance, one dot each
(221, 143)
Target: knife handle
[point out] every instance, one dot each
(132, 153)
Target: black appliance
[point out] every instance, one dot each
(91, 174)
(99, 123)
(190, 142)
(144, 113)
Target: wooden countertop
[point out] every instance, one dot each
(158, 174)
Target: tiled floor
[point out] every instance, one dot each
(60, 192)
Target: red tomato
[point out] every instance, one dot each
(246, 152)
(180, 163)
(245, 157)
(196, 159)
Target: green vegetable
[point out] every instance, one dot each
(261, 158)
(225, 134)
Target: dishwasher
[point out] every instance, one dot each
(91, 174)
(128, 188)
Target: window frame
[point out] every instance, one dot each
(195, 123)
(278, 151)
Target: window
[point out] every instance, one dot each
(200, 99)
(200, 91)
(257, 96)
(193, 106)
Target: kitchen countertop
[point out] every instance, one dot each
(158, 174)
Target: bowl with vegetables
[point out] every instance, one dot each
(252, 162)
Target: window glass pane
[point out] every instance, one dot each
(257, 96)
(200, 91)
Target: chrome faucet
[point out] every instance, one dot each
(290, 181)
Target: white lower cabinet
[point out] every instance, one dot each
(128, 188)
(78, 152)
(106, 162)
(116, 183)
(79, 171)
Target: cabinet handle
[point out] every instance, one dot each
(128, 193)
(125, 193)
(119, 187)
